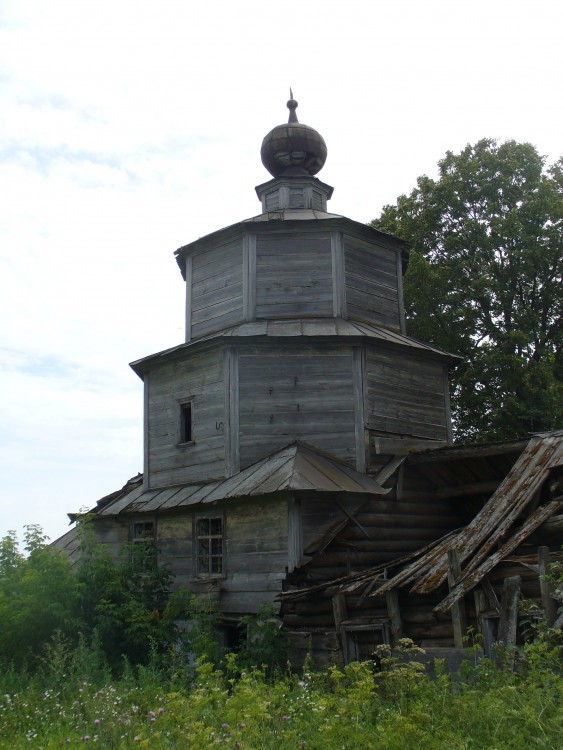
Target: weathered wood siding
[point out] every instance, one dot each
(216, 298)
(199, 379)
(114, 533)
(406, 394)
(255, 552)
(293, 275)
(288, 394)
(372, 283)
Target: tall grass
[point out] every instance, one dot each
(73, 702)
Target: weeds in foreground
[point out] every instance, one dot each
(394, 708)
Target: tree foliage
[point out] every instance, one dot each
(38, 596)
(484, 282)
(127, 605)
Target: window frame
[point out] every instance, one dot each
(205, 571)
(185, 406)
(144, 536)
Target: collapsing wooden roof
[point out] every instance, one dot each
(503, 523)
(297, 467)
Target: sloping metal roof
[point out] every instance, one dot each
(304, 327)
(295, 467)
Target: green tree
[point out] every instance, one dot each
(128, 602)
(39, 595)
(484, 282)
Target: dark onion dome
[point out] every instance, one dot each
(293, 149)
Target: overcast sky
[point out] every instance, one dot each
(130, 128)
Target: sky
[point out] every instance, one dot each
(131, 128)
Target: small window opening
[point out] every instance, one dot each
(209, 546)
(186, 426)
(143, 531)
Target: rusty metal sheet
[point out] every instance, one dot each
(469, 581)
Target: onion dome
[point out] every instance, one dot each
(293, 149)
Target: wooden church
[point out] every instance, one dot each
(282, 439)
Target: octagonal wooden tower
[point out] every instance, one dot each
(294, 331)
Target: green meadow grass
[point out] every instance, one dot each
(353, 708)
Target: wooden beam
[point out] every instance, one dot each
(491, 595)
(354, 520)
(389, 469)
(458, 608)
(393, 609)
(546, 588)
(509, 611)
(404, 446)
(473, 488)
(475, 451)
(339, 609)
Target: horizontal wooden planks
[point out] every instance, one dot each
(293, 276)
(405, 395)
(372, 285)
(305, 394)
(216, 295)
(201, 381)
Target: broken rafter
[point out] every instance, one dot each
(469, 581)
(489, 526)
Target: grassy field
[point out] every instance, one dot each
(356, 707)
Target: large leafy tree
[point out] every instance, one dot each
(484, 282)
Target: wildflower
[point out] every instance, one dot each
(224, 725)
(86, 738)
(152, 713)
(97, 721)
(136, 739)
(161, 710)
(242, 725)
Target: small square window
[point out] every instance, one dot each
(209, 546)
(186, 422)
(143, 531)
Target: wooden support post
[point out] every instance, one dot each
(546, 588)
(489, 636)
(392, 598)
(491, 595)
(509, 611)
(481, 603)
(457, 609)
(340, 610)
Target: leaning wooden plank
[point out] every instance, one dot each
(500, 512)
(470, 581)
(424, 558)
(459, 621)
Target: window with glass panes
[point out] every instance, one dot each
(209, 545)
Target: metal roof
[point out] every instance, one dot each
(302, 327)
(297, 467)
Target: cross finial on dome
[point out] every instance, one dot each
(292, 106)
